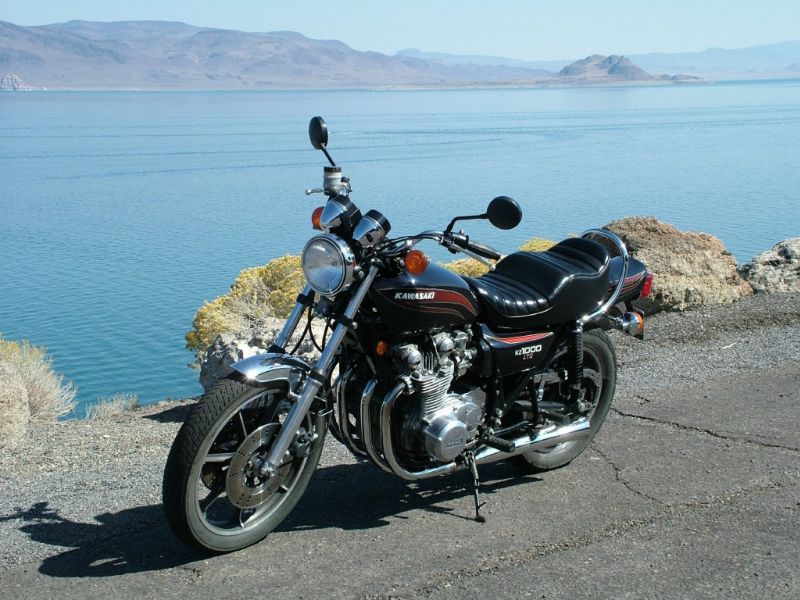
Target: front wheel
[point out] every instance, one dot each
(214, 497)
(599, 383)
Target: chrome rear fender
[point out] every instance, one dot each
(263, 369)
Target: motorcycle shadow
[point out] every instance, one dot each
(359, 496)
(138, 539)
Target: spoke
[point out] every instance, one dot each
(212, 497)
(219, 457)
(593, 375)
(241, 422)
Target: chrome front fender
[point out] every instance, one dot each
(263, 369)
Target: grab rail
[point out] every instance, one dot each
(623, 250)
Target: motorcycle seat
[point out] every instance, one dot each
(533, 289)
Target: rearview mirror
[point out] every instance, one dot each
(318, 133)
(504, 212)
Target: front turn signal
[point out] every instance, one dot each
(316, 216)
(416, 262)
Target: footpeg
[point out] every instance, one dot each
(499, 443)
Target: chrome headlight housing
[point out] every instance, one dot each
(328, 263)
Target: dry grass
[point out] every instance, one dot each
(49, 397)
(112, 407)
(258, 292)
(271, 290)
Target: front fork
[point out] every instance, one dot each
(316, 377)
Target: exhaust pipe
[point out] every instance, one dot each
(579, 430)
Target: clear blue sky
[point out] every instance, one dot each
(515, 28)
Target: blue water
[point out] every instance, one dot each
(120, 213)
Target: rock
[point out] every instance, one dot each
(229, 348)
(690, 269)
(12, 83)
(14, 409)
(777, 270)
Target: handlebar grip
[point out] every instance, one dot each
(462, 241)
(483, 250)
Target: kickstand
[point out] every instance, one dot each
(469, 457)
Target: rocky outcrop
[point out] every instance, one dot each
(14, 409)
(229, 348)
(12, 83)
(690, 269)
(605, 67)
(777, 270)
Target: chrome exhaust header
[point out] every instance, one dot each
(579, 430)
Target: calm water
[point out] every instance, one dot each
(120, 213)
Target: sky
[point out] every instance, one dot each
(528, 30)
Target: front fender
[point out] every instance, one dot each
(263, 369)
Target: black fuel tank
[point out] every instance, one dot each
(416, 303)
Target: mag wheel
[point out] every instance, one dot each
(599, 382)
(214, 497)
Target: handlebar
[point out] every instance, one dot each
(462, 241)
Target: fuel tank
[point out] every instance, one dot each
(436, 299)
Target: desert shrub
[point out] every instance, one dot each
(113, 406)
(49, 397)
(271, 291)
(537, 245)
(258, 292)
(469, 267)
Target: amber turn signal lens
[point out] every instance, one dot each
(316, 216)
(381, 348)
(416, 262)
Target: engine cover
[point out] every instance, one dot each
(452, 427)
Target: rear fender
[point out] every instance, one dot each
(265, 369)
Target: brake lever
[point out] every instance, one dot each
(314, 191)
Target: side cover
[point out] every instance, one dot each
(519, 351)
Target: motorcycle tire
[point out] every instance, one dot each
(213, 498)
(598, 355)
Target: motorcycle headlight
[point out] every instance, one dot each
(328, 264)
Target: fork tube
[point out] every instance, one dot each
(316, 377)
(292, 321)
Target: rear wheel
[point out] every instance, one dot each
(599, 383)
(214, 496)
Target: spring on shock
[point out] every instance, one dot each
(575, 360)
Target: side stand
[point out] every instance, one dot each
(469, 457)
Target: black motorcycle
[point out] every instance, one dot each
(424, 372)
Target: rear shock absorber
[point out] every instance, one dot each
(575, 366)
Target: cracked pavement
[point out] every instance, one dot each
(691, 489)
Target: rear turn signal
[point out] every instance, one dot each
(416, 262)
(316, 216)
(647, 287)
(381, 348)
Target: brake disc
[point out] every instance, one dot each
(244, 486)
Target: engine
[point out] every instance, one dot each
(439, 423)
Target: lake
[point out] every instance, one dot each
(122, 212)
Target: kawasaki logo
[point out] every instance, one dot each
(414, 295)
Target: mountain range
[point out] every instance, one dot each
(171, 55)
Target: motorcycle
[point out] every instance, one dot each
(421, 371)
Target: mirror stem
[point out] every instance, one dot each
(466, 218)
(328, 156)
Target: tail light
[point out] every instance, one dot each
(647, 287)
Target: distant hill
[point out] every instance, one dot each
(605, 67)
(544, 67)
(155, 54)
(718, 63)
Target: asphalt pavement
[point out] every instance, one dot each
(691, 489)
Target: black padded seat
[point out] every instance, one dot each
(533, 289)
